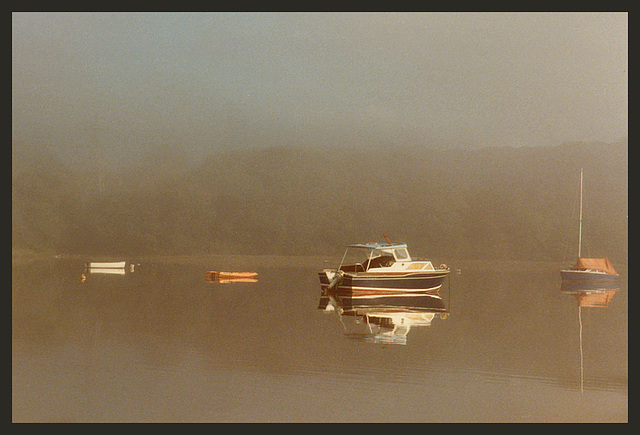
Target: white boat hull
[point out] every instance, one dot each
(106, 265)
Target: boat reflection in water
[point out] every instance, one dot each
(588, 294)
(383, 319)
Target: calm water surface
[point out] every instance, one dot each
(162, 344)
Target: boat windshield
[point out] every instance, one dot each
(357, 259)
(402, 254)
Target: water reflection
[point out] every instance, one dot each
(588, 295)
(157, 344)
(383, 319)
(593, 295)
(106, 271)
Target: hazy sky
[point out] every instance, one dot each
(131, 82)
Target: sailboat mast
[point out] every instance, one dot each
(580, 225)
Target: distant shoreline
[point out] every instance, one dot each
(24, 256)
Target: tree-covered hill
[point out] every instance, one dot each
(491, 203)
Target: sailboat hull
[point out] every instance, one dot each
(588, 276)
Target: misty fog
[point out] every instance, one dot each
(461, 134)
(496, 203)
(118, 88)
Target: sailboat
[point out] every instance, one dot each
(589, 271)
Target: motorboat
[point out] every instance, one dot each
(378, 269)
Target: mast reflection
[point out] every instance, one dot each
(588, 295)
(384, 319)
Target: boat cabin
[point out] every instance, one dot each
(365, 257)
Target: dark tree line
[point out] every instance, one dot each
(492, 203)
